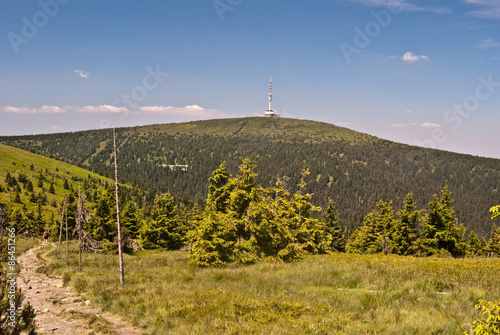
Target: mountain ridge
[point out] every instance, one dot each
(354, 169)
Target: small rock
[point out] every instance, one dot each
(72, 309)
(87, 302)
(45, 310)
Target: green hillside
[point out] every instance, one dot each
(355, 170)
(17, 162)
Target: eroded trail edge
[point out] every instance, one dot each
(60, 310)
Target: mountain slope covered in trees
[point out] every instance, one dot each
(354, 170)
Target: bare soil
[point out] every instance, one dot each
(60, 310)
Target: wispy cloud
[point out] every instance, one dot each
(408, 125)
(402, 125)
(487, 44)
(25, 110)
(82, 73)
(430, 125)
(488, 9)
(408, 111)
(411, 58)
(404, 5)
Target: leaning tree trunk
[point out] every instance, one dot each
(120, 254)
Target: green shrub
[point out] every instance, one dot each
(490, 325)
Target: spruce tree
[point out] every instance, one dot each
(333, 228)
(476, 246)
(219, 190)
(164, 227)
(373, 237)
(493, 247)
(404, 234)
(441, 233)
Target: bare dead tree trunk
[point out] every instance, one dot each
(67, 242)
(61, 226)
(81, 219)
(120, 254)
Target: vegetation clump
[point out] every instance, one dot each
(244, 223)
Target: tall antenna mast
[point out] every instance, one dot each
(270, 111)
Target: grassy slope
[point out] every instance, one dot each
(335, 294)
(15, 161)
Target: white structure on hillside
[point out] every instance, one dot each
(270, 111)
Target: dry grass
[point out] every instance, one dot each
(335, 294)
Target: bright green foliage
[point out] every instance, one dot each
(476, 245)
(373, 236)
(219, 190)
(257, 223)
(404, 234)
(494, 241)
(103, 223)
(215, 238)
(130, 219)
(164, 228)
(441, 233)
(495, 212)
(271, 222)
(333, 228)
(490, 325)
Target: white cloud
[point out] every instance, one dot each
(192, 110)
(410, 57)
(408, 125)
(18, 110)
(25, 110)
(51, 110)
(488, 9)
(403, 125)
(487, 44)
(100, 109)
(404, 5)
(55, 127)
(430, 125)
(408, 111)
(82, 74)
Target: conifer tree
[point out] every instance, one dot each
(476, 246)
(404, 234)
(219, 190)
(494, 241)
(164, 228)
(441, 233)
(333, 228)
(52, 189)
(373, 237)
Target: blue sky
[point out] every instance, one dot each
(420, 72)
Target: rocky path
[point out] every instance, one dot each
(59, 310)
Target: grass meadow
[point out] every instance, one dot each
(329, 294)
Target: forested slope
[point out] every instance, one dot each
(355, 170)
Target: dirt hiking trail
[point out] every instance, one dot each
(60, 310)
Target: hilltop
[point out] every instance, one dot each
(354, 169)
